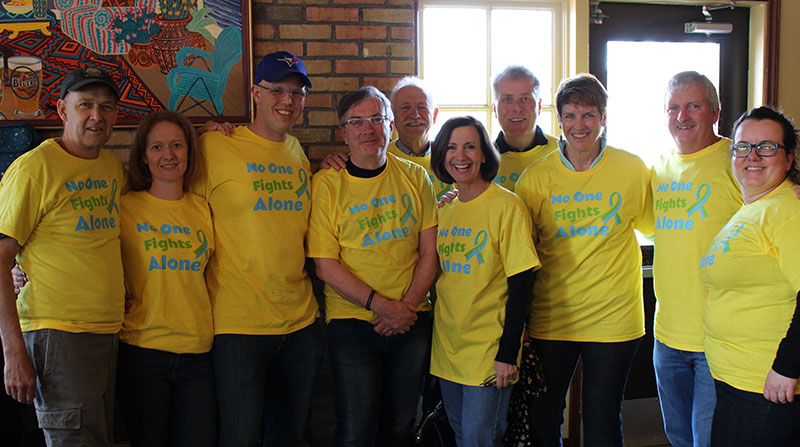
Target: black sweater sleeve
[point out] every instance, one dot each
(787, 360)
(520, 295)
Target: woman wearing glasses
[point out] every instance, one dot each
(165, 378)
(488, 262)
(751, 270)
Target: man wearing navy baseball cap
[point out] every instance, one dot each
(268, 342)
(60, 221)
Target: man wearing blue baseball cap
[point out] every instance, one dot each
(268, 341)
(59, 219)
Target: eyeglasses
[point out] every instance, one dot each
(765, 149)
(359, 123)
(280, 92)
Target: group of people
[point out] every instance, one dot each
(220, 338)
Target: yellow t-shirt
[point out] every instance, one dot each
(513, 163)
(371, 226)
(751, 271)
(166, 245)
(693, 197)
(439, 187)
(63, 211)
(259, 196)
(590, 285)
(480, 243)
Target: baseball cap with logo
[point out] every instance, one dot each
(275, 66)
(84, 76)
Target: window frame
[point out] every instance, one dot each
(558, 70)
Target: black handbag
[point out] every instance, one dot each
(530, 384)
(433, 428)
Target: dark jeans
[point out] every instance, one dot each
(167, 398)
(745, 419)
(605, 372)
(376, 381)
(264, 385)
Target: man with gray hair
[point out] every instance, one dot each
(521, 142)
(414, 115)
(694, 195)
(60, 219)
(372, 235)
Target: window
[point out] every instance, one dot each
(464, 45)
(636, 91)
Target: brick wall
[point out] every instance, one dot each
(345, 44)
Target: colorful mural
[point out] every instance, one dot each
(186, 55)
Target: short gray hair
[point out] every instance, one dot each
(516, 72)
(685, 79)
(412, 81)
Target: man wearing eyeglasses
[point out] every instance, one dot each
(694, 195)
(267, 344)
(517, 105)
(372, 236)
(415, 113)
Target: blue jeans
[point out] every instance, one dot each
(264, 385)
(686, 393)
(605, 372)
(167, 398)
(376, 381)
(476, 413)
(745, 419)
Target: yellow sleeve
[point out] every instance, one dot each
(646, 222)
(20, 205)
(322, 240)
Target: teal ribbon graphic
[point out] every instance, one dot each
(700, 202)
(304, 187)
(615, 208)
(203, 248)
(112, 203)
(409, 204)
(732, 233)
(445, 187)
(476, 251)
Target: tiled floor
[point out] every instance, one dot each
(642, 424)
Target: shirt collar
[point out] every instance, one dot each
(539, 139)
(404, 149)
(562, 146)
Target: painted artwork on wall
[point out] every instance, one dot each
(192, 56)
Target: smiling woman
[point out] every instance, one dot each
(751, 272)
(167, 238)
(586, 199)
(488, 262)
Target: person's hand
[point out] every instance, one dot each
(19, 377)
(335, 160)
(778, 388)
(394, 317)
(19, 277)
(797, 192)
(128, 301)
(447, 197)
(506, 373)
(226, 128)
